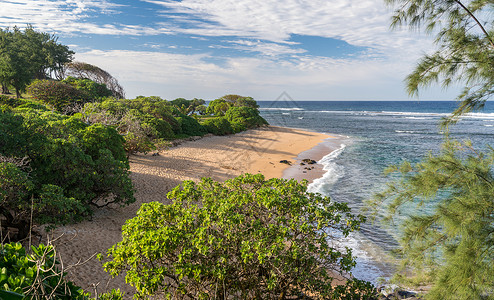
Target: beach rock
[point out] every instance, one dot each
(309, 161)
(302, 164)
(156, 154)
(284, 161)
(397, 295)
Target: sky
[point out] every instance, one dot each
(308, 49)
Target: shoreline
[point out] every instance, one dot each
(219, 157)
(317, 153)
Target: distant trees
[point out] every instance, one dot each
(219, 106)
(29, 54)
(188, 107)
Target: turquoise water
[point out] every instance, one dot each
(374, 135)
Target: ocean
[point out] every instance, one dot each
(375, 135)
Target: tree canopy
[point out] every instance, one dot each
(452, 240)
(464, 34)
(84, 70)
(29, 54)
(58, 168)
(247, 238)
(449, 237)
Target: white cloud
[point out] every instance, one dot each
(360, 23)
(68, 17)
(305, 78)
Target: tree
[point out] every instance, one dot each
(29, 54)
(187, 107)
(15, 68)
(464, 33)
(246, 101)
(58, 94)
(244, 117)
(84, 70)
(248, 238)
(218, 107)
(451, 237)
(450, 241)
(57, 169)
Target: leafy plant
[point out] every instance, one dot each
(218, 126)
(58, 94)
(34, 276)
(58, 168)
(464, 35)
(39, 276)
(191, 126)
(246, 238)
(93, 90)
(450, 236)
(244, 118)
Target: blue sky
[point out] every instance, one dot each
(310, 49)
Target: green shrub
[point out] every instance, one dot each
(70, 167)
(244, 117)
(57, 94)
(35, 276)
(39, 276)
(218, 126)
(218, 107)
(191, 126)
(246, 238)
(246, 101)
(93, 90)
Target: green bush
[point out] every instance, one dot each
(247, 238)
(35, 276)
(70, 167)
(218, 107)
(191, 126)
(93, 90)
(57, 94)
(244, 117)
(218, 126)
(38, 276)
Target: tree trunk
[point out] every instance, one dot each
(17, 93)
(5, 89)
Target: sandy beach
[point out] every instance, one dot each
(253, 151)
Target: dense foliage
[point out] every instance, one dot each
(218, 126)
(94, 91)
(188, 107)
(453, 238)
(246, 238)
(57, 167)
(464, 31)
(141, 121)
(451, 241)
(144, 121)
(218, 107)
(29, 54)
(83, 70)
(58, 94)
(38, 276)
(243, 117)
(33, 277)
